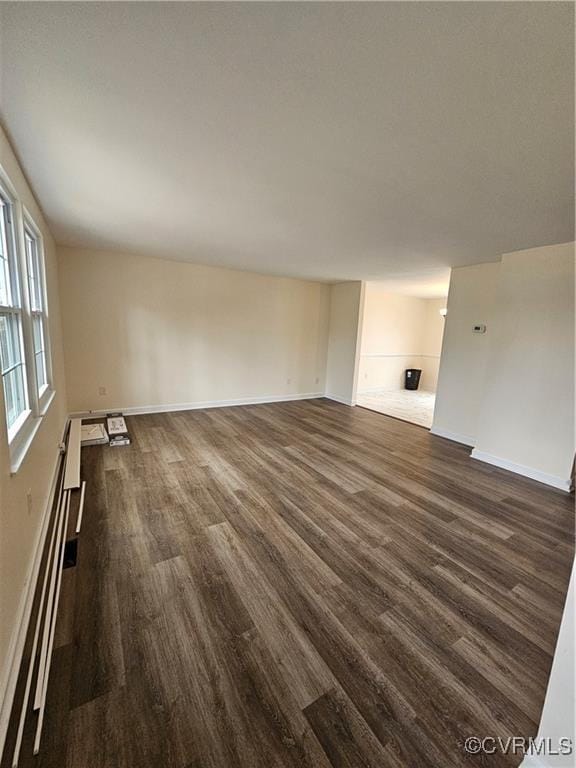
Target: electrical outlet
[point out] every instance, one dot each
(288, 381)
(29, 500)
(101, 390)
(317, 380)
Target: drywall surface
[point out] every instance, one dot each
(434, 325)
(527, 415)
(399, 332)
(148, 333)
(346, 310)
(464, 359)
(20, 523)
(558, 713)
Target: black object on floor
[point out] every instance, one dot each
(412, 378)
(70, 553)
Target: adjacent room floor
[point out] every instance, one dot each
(302, 584)
(416, 407)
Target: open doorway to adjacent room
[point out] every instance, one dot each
(402, 331)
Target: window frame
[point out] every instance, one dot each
(14, 307)
(43, 395)
(21, 433)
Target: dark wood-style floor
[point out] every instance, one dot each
(302, 584)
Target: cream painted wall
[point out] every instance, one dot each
(434, 325)
(510, 392)
(346, 312)
(399, 332)
(155, 333)
(527, 415)
(464, 359)
(20, 526)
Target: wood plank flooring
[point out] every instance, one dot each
(302, 584)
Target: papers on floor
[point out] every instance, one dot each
(117, 429)
(116, 425)
(93, 434)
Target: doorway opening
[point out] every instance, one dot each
(400, 333)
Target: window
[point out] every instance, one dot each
(37, 301)
(12, 359)
(24, 341)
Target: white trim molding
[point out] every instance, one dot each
(407, 354)
(199, 404)
(341, 400)
(18, 640)
(391, 390)
(535, 474)
(454, 436)
(381, 389)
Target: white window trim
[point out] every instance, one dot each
(19, 425)
(21, 434)
(21, 443)
(43, 398)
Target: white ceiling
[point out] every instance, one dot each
(325, 140)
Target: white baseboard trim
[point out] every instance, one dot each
(413, 355)
(342, 400)
(369, 390)
(454, 436)
(535, 474)
(391, 390)
(199, 404)
(18, 640)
